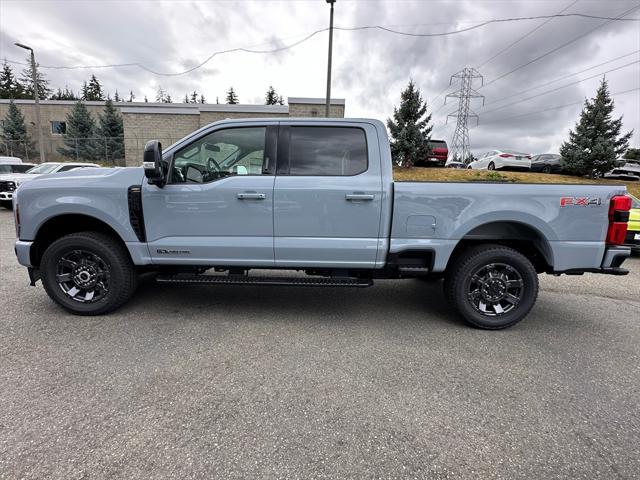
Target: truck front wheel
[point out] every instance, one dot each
(492, 286)
(88, 273)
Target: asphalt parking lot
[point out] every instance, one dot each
(264, 382)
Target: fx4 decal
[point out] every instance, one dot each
(580, 202)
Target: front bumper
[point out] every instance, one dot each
(6, 196)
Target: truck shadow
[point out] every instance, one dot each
(386, 301)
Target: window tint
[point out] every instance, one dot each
(58, 128)
(232, 151)
(22, 168)
(66, 168)
(327, 151)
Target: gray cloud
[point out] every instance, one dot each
(370, 66)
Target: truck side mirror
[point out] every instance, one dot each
(152, 163)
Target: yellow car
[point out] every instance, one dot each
(633, 227)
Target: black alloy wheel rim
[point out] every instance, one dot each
(495, 289)
(83, 276)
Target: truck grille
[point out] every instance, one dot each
(7, 186)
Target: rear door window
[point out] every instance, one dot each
(327, 151)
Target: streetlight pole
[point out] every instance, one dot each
(34, 73)
(328, 101)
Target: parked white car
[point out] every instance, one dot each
(10, 182)
(10, 165)
(497, 159)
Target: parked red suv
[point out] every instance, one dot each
(438, 153)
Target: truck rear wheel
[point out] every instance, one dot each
(492, 286)
(88, 273)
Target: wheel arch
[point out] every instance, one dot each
(523, 237)
(60, 225)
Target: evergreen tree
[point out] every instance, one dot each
(410, 130)
(202, 99)
(146, 100)
(232, 97)
(217, 101)
(596, 142)
(632, 154)
(271, 97)
(111, 129)
(64, 95)
(185, 99)
(194, 97)
(10, 87)
(16, 141)
(116, 97)
(161, 95)
(80, 140)
(92, 91)
(44, 91)
(132, 97)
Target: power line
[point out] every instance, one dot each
(316, 32)
(526, 35)
(560, 88)
(619, 17)
(558, 107)
(540, 85)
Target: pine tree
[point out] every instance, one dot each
(271, 97)
(185, 99)
(632, 154)
(596, 142)
(168, 99)
(92, 91)
(80, 140)
(217, 101)
(232, 98)
(16, 141)
(146, 100)
(160, 95)
(27, 82)
(410, 130)
(111, 129)
(10, 87)
(132, 97)
(202, 99)
(116, 97)
(194, 97)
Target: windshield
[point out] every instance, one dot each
(44, 168)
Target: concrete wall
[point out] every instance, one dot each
(165, 122)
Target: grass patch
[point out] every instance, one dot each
(459, 175)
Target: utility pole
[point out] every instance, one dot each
(36, 98)
(328, 102)
(460, 142)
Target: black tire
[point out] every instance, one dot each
(546, 169)
(117, 275)
(511, 275)
(491, 166)
(8, 204)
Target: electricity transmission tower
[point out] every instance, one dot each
(460, 141)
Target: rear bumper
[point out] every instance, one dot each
(614, 257)
(631, 241)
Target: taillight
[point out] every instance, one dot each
(505, 155)
(618, 218)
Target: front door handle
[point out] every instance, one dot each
(359, 197)
(251, 196)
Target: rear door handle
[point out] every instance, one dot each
(359, 197)
(251, 196)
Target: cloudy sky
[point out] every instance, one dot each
(370, 66)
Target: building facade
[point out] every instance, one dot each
(167, 122)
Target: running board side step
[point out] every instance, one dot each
(247, 280)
